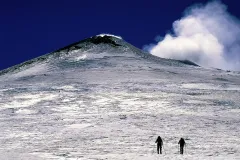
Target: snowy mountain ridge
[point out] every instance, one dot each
(110, 35)
(102, 98)
(115, 44)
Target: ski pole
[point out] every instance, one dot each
(153, 149)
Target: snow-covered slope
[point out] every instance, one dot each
(102, 98)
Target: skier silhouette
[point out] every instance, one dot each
(182, 144)
(159, 144)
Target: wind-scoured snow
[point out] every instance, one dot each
(104, 101)
(110, 35)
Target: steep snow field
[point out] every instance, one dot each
(103, 101)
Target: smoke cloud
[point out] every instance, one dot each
(207, 35)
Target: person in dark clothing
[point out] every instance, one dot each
(159, 144)
(182, 144)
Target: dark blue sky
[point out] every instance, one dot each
(32, 28)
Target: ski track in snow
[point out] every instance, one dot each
(116, 111)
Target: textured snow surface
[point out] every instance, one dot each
(112, 103)
(111, 35)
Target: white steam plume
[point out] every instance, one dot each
(207, 35)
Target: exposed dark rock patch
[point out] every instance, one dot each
(94, 40)
(220, 79)
(104, 39)
(189, 63)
